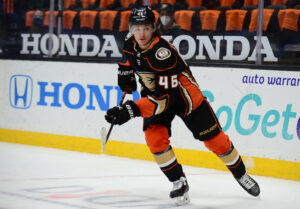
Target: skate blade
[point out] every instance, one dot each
(182, 200)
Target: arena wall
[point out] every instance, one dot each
(62, 105)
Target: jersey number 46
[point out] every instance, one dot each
(168, 81)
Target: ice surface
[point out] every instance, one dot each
(43, 178)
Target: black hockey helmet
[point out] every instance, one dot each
(142, 15)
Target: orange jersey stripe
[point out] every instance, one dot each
(193, 92)
(128, 52)
(146, 107)
(161, 69)
(127, 63)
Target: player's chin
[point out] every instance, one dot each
(142, 41)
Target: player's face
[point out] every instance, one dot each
(143, 34)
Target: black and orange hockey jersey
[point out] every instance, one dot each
(166, 80)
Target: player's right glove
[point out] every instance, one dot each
(123, 113)
(126, 79)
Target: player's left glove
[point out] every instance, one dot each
(123, 113)
(126, 79)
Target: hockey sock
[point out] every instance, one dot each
(224, 149)
(234, 162)
(168, 164)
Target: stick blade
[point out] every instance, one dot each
(103, 138)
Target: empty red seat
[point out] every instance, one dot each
(47, 18)
(235, 19)
(87, 18)
(107, 18)
(86, 3)
(250, 2)
(288, 19)
(225, 3)
(29, 18)
(124, 20)
(209, 19)
(184, 19)
(68, 19)
(278, 2)
(266, 19)
(194, 3)
(105, 3)
(68, 3)
(126, 3)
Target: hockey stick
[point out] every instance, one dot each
(104, 134)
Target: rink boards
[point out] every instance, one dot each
(62, 105)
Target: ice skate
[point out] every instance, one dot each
(180, 191)
(249, 184)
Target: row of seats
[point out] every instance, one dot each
(205, 20)
(7, 6)
(238, 20)
(101, 4)
(107, 19)
(191, 3)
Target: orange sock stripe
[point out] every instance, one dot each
(170, 167)
(236, 164)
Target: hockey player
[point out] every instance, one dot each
(169, 89)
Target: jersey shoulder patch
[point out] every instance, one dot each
(161, 57)
(162, 53)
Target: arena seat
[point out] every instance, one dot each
(270, 21)
(68, 3)
(209, 19)
(194, 3)
(289, 19)
(47, 18)
(278, 2)
(107, 19)
(250, 2)
(104, 4)
(235, 19)
(29, 18)
(87, 19)
(86, 3)
(184, 19)
(126, 3)
(224, 3)
(68, 19)
(124, 20)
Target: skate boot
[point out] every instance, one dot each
(180, 191)
(249, 184)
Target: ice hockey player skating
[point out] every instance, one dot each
(169, 89)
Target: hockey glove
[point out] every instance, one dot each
(126, 79)
(123, 113)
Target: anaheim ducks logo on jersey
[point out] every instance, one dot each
(148, 79)
(161, 104)
(162, 53)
